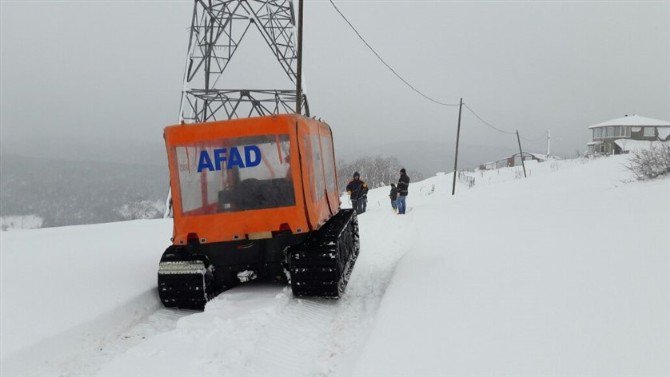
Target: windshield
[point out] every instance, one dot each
(235, 174)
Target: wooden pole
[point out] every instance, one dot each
(518, 139)
(458, 136)
(298, 90)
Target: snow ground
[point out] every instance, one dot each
(69, 292)
(563, 273)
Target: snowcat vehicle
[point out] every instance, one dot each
(255, 198)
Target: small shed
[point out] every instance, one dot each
(630, 127)
(513, 160)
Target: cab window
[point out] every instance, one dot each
(235, 174)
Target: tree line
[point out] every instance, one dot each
(376, 171)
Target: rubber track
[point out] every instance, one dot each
(184, 284)
(321, 266)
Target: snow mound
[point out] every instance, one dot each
(560, 275)
(71, 290)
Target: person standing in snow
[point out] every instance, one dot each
(364, 199)
(358, 191)
(403, 189)
(394, 196)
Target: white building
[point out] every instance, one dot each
(633, 127)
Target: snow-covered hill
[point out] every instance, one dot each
(563, 273)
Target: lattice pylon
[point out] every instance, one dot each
(217, 29)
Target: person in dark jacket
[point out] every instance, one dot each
(403, 190)
(394, 196)
(358, 193)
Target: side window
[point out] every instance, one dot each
(190, 184)
(328, 160)
(317, 168)
(622, 131)
(649, 131)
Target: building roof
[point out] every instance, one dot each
(633, 120)
(539, 156)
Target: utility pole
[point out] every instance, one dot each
(548, 143)
(298, 83)
(518, 139)
(458, 136)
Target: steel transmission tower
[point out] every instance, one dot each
(217, 29)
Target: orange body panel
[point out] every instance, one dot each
(311, 168)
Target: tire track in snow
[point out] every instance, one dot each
(323, 337)
(387, 238)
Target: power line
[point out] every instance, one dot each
(412, 87)
(487, 123)
(385, 63)
(501, 130)
(535, 139)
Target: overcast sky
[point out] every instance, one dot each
(82, 78)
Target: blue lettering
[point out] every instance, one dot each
(219, 157)
(204, 162)
(247, 156)
(235, 158)
(252, 157)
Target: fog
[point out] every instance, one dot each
(98, 80)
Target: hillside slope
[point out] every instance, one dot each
(77, 192)
(563, 273)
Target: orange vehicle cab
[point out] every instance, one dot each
(247, 178)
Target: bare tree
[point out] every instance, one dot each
(651, 163)
(141, 209)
